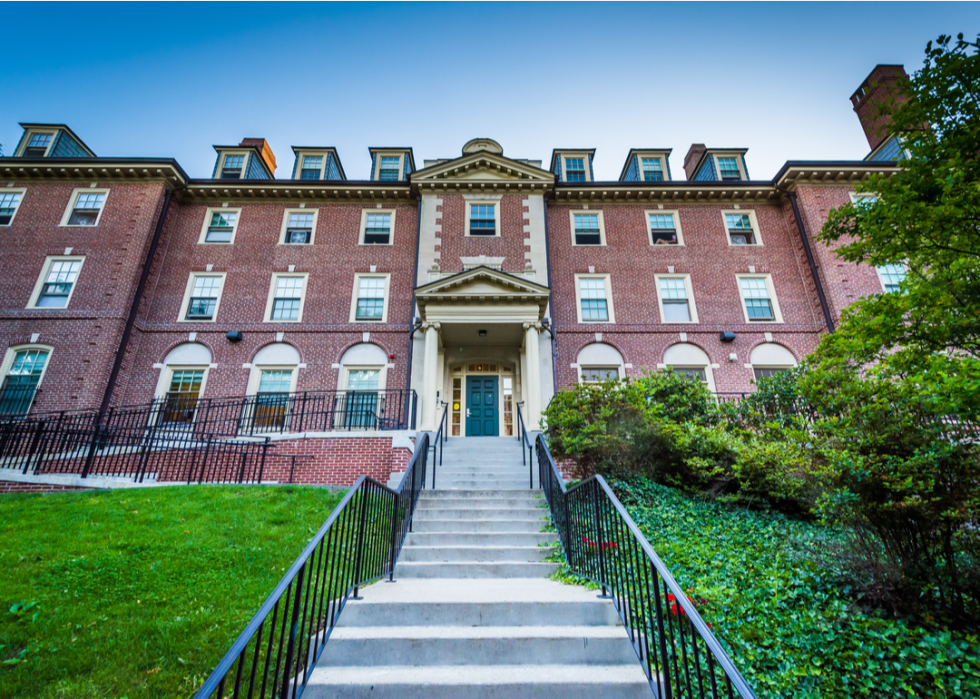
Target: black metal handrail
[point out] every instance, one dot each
(359, 543)
(527, 457)
(678, 652)
(439, 443)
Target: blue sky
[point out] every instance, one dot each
(174, 79)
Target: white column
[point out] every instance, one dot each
(532, 402)
(430, 371)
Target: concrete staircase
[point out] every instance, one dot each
(473, 613)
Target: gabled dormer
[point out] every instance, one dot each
(704, 164)
(51, 141)
(317, 163)
(646, 165)
(391, 164)
(572, 165)
(252, 159)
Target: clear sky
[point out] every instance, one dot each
(171, 80)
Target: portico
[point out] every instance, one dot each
(481, 352)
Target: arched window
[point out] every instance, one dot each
(768, 359)
(23, 369)
(362, 379)
(600, 362)
(691, 361)
(181, 383)
(273, 379)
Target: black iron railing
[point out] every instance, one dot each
(526, 449)
(601, 543)
(439, 442)
(359, 543)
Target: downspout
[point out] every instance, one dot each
(134, 308)
(828, 318)
(411, 321)
(551, 300)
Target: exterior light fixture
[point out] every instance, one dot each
(483, 333)
(234, 336)
(727, 336)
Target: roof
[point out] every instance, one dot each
(63, 127)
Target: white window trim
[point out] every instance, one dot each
(640, 157)
(677, 226)
(45, 270)
(22, 191)
(167, 375)
(207, 222)
(609, 301)
(755, 227)
(602, 226)
(285, 225)
(772, 298)
(256, 374)
(738, 161)
(8, 363)
(391, 233)
(376, 175)
(856, 197)
(300, 155)
(709, 376)
(496, 217)
(27, 142)
(224, 155)
(565, 155)
(305, 276)
(74, 199)
(689, 290)
(353, 304)
(380, 368)
(617, 367)
(189, 289)
(881, 279)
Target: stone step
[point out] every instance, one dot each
(483, 526)
(480, 645)
(428, 493)
(484, 539)
(503, 569)
(483, 554)
(479, 682)
(427, 512)
(468, 484)
(482, 503)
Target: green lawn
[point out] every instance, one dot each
(788, 623)
(139, 593)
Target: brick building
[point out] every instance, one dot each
(480, 281)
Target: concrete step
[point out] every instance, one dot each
(485, 539)
(468, 484)
(503, 569)
(480, 645)
(482, 503)
(428, 493)
(479, 526)
(480, 681)
(428, 512)
(483, 554)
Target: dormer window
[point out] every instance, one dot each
(575, 169)
(728, 169)
(652, 170)
(38, 146)
(232, 167)
(389, 170)
(312, 166)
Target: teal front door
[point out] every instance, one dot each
(481, 406)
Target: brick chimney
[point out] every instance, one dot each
(694, 154)
(263, 146)
(877, 89)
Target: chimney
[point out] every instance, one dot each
(877, 89)
(264, 150)
(694, 154)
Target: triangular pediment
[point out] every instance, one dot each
(482, 167)
(481, 282)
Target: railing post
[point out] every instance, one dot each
(293, 629)
(598, 525)
(92, 447)
(265, 449)
(34, 443)
(360, 539)
(302, 415)
(145, 456)
(394, 538)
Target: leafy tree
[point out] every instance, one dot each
(927, 217)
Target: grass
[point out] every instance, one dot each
(139, 593)
(787, 619)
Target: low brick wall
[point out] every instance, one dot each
(335, 461)
(15, 487)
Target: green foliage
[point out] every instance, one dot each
(782, 610)
(139, 593)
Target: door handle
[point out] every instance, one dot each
(467, 412)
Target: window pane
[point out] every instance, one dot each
(482, 220)
(693, 373)
(728, 168)
(377, 230)
(363, 380)
(766, 372)
(596, 374)
(207, 287)
(370, 298)
(587, 229)
(575, 169)
(224, 219)
(593, 295)
(892, 276)
(58, 284)
(9, 202)
(676, 312)
(740, 229)
(673, 289)
(20, 384)
(289, 293)
(652, 170)
(275, 381)
(389, 169)
(300, 221)
(40, 140)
